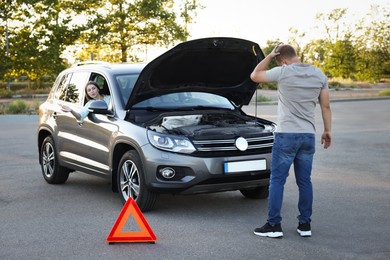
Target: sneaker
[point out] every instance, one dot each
(304, 229)
(268, 230)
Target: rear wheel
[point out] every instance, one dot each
(131, 182)
(51, 170)
(256, 193)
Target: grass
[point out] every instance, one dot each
(384, 93)
(20, 107)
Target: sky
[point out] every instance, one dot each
(260, 20)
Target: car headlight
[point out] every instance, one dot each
(172, 143)
(270, 128)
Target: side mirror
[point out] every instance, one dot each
(99, 107)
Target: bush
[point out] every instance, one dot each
(334, 84)
(384, 93)
(262, 98)
(18, 107)
(4, 93)
(270, 86)
(3, 109)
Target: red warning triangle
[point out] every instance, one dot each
(117, 233)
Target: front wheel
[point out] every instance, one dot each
(131, 182)
(51, 169)
(256, 193)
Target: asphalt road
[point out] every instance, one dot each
(72, 221)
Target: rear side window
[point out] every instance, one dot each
(60, 92)
(71, 87)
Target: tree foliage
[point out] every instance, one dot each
(41, 30)
(125, 27)
(373, 45)
(39, 33)
(36, 34)
(357, 52)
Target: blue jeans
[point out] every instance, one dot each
(291, 148)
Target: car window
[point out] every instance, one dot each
(60, 92)
(99, 79)
(71, 87)
(126, 83)
(102, 82)
(187, 99)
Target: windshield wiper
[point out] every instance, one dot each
(150, 108)
(209, 108)
(189, 108)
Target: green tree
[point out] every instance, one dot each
(125, 26)
(338, 47)
(333, 23)
(295, 40)
(55, 29)
(315, 52)
(7, 9)
(341, 59)
(41, 31)
(360, 51)
(373, 45)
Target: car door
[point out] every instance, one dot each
(89, 142)
(94, 148)
(71, 92)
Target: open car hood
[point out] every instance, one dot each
(220, 66)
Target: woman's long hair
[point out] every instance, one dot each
(85, 89)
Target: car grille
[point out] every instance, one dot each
(226, 147)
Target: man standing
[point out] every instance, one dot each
(300, 86)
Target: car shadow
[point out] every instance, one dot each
(230, 202)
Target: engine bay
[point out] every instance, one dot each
(210, 125)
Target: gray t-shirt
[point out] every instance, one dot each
(299, 87)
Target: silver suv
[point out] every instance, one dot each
(172, 126)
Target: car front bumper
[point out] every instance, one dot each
(199, 174)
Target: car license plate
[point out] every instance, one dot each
(245, 166)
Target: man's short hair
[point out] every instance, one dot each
(286, 52)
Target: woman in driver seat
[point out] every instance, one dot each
(92, 92)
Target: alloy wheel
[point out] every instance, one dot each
(129, 180)
(48, 160)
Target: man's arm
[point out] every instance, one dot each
(258, 74)
(326, 138)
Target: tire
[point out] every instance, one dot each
(256, 193)
(51, 169)
(131, 182)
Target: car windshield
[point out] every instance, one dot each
(184, 100)
(126, 83)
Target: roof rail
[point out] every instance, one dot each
(90, 62)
